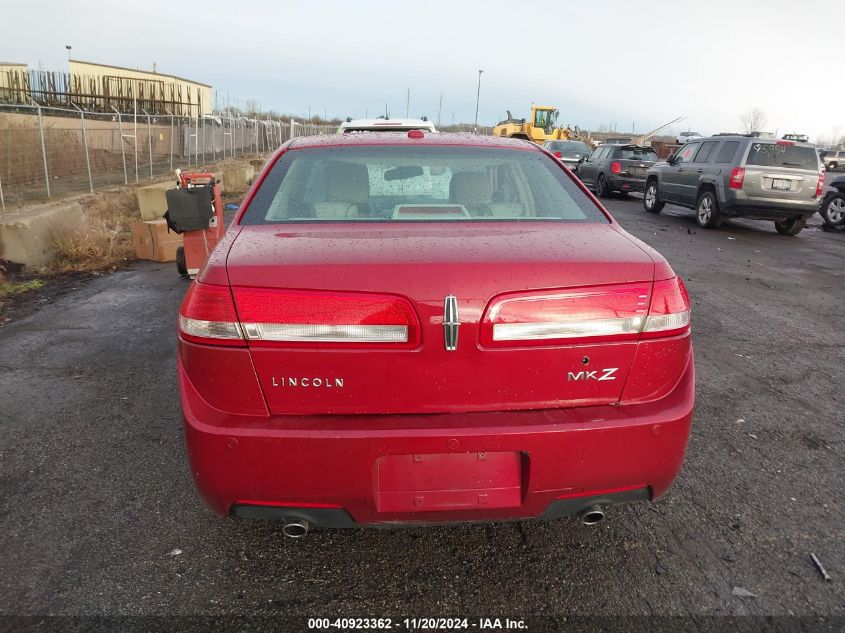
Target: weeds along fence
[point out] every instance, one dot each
(48, 152)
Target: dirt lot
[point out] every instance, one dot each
(99, 515)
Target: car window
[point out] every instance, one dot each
(596, 153)
(685, 154)
(727, 152)
(782, 154)
(570, 148)
(607, 151)
(434, 183)
(638, 153)
(705, 151)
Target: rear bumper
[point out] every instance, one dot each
(331, 470)
(627, 184)
(737, 204)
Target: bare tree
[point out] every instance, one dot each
(753, 119)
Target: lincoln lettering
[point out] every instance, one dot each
(320, 383)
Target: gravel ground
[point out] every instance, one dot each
(99, 516)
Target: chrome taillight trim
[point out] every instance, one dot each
(210, 329)
(566, 329)
(304, 333)
(663, 322)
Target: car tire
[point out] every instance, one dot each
(651, 198)
(602, 190)
(707, 212)
(181, 264)
(833, 210)
(791, 226)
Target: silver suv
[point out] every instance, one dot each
(833, 160)
(740, 176)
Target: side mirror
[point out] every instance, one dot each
(670, 159)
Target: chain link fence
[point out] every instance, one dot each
(48, 152)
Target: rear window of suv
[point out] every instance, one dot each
(406, 183)
(782, 155)
(638, 153)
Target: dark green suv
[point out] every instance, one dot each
(740, 176)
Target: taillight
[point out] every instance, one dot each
(737, 178)
(557, 154)
(669, 311)
(297, 317)
(585, 315)
(820, 185)
(207, 315)
(616, 167)
(615, 312)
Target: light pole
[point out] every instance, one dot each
(477, 97)
(68, 47)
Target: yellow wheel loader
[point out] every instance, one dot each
(541, 126)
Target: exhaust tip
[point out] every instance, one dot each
(296, 529)
(592, 515)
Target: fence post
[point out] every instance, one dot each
(85, 145)
(149, 141)
(197, 139)
(203, 141)
(135, 138)
(122, 146)
(44, 152)
(171, 142)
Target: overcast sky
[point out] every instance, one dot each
(632, 63)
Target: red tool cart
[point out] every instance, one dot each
(195, 209)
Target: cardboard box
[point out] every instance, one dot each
(153, 241)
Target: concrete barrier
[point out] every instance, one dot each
(237, 178)
(30, 237)
(152, 199)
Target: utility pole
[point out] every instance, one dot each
(477, 99)
(439, 109)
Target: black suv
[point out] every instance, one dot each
(740, 176)
(616, 168)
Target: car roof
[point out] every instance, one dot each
(381, 123)
(754, 139)
(401, 138)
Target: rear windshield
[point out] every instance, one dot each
(569, 148)
(777, 155)
(638, 153)
(406, 183)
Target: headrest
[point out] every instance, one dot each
(348, 182)
(470, 188)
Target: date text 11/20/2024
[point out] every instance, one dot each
(419, 624)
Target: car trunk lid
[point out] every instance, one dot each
(447, 274)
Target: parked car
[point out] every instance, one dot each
(386, 125)
(686, 137)
(617, 168)
(570, 153)
(420, 328)
(832, 208)
(740, 176)
(834, 159)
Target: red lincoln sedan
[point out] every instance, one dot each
(419, 327)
